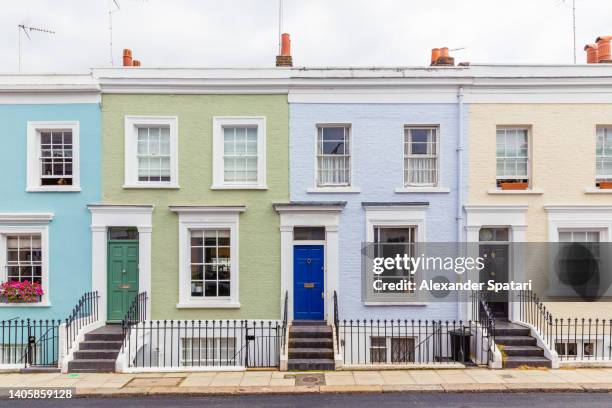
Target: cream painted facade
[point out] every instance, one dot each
(562, 193)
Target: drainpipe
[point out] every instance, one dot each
(461, 314)
(460, 165)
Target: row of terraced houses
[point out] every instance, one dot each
(199, 219)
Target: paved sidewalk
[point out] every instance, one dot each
(274, 382)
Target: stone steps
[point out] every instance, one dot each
(518, 348)
(98, 352)
(311, 346)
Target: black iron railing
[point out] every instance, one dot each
(482, 313)
(336, 320)
(535, 313)
(84, 313)
(572, 338)
(284, 323)
(201, 343)
(397, 342)
(29, 342)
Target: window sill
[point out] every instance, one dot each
(416, 189)
(151, 186)
(37, 304)
(420, 304)
(54, 189)
(333, 190)
(529, 191)
(595, 190)
(208, 305)
(239, 187)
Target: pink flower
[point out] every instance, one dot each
(21, 292)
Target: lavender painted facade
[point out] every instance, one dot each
(377, 155)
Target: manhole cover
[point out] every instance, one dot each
(507, 376)
(309, 379)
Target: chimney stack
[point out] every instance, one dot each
(603, 48)
(600, 52)
(284, 59)
(127, 57)
(440, 57)
(592, 53)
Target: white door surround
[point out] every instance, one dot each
(512, 217)
(104, 216)
(310, 214)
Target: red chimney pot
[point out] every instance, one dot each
(127, 57)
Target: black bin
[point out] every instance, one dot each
(460, 345)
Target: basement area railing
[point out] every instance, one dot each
(29, 342)
(574, 339)
(408, 342)
(203, 343)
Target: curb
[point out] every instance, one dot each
(344, 389)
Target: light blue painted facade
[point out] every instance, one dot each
(377, 137)
(69, 231)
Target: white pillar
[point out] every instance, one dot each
(286, 249)
(98, 267)
(144, 264)
(332, 269)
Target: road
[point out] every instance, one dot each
(428, 400)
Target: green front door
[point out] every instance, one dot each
(122, 277)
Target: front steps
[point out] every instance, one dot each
(517, 346)
(311, 346)
(99, 351)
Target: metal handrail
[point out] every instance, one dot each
(85, 312)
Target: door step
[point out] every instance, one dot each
(517, 346)
(311, 346)
(98, 352)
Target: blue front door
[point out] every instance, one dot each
(308, 281)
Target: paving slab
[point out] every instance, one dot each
(472, 387)
(413, 388)
(397, 377)
(547, 387)
(368, 378)
(350, 388)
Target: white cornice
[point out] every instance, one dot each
(120, 208)
(25, 218)
(491, 208)
(186, 209)
(578, 208)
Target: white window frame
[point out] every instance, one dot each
(396, 216)
(218, 340)
(27, 224)
(605, 130)
(436, 132)
(529, 158)
(220, 122)
(34, 128)
(132, 123)
(334, 187)
(197, 218)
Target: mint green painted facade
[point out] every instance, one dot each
(259, 238)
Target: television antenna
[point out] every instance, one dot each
(280, 24)
(111, 10)
(26, 30)
(573, 24)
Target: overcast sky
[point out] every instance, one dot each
(223, 33)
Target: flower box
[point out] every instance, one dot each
(514, 185)
(605, 185)
(20, 292)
